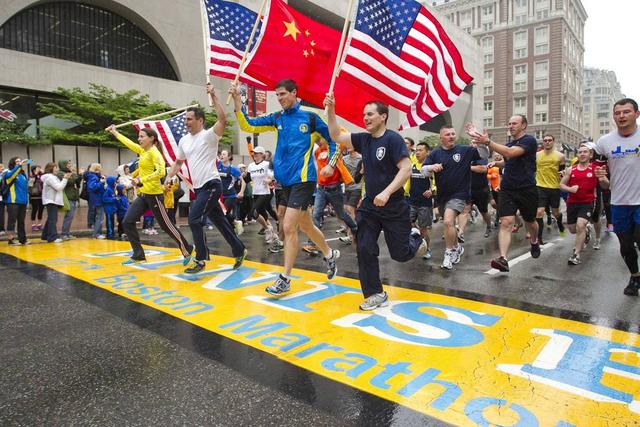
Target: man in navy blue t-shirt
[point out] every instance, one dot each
(384, 208)
(451, 164)
(229, 175)
(518, 187)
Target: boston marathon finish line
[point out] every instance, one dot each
(461, 361)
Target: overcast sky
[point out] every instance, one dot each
(610, 31)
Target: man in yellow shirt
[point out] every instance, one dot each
(549, 163)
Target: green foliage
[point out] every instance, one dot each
(95, 109)
(14, 133)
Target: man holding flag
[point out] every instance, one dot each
(384, 208)
(199, 148)
(294, 168)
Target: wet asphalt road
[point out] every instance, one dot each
(63, 344)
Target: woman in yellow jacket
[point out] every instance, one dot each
(151, 168)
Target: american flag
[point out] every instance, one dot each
(230, 27)
(169, 133)
(400, 52)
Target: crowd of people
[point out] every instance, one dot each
(374, 182)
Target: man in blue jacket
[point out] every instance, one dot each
(293, 166)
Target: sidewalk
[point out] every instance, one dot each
(78, 225)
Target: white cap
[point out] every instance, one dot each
(259, 149)
(590, 145)
(242, 165)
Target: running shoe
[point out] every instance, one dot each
(422, 249)
(310, 248)
(332, 267)
(375, 301)
(347, 240)
(195, 267)
(240, 259)
(262, 231)
(461, 238)
(574, 259)
(101, 236)
(280, 286)
(276, 247)
(596, 244)
(609, 228)
(487, 232)
(133, 261)
(342, 230)
(427, 254)
(238, 227)
(456, 254)
(14, 242)
(632, 287)
(447, 263)
(563, 233)
(500, 263)
(535, 250)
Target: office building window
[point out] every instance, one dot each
(520, 41)
(520, 105)
(541, 40)
(86, 34)
(541, 75)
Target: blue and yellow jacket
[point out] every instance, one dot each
(293, 160)
(18, 186)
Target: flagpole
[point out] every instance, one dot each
(246, 51)
(205, 44)
(343, 38)
(154, 116)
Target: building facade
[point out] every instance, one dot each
(601, 91)
(533, 61)
(153, 46)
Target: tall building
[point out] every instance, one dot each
(533, 61)
(601, 91)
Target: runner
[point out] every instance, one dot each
(230, 175)
(518, 187)
(580, 182)
(199, 147)
(451, 164)
(353, 191)
(261, 175)
(384, 207)
(293, 168)
(420, 201)
(549, 163)
(620, 147)
(151, 170)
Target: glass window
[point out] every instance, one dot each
(87, 34)
(541, 118)
(488, 106)
(488, 90)
(541, 75)
(541, 39)
(520, 105)
(487, 122)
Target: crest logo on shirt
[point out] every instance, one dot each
(323, 155)
(457, 157)
(304, 128)
(589, 175)
(380, 152)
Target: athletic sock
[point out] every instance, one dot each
(560, 225)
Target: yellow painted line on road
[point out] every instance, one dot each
(464, 362)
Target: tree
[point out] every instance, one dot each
(97, 108)
(11, 132)
(434, 140)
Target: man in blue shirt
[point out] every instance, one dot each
(451, 164)
(384, 208)
(229, 175)
(293, 167)
(518, 191)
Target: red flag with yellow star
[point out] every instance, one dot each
(294, 46)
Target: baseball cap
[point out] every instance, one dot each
(259, 149)
(242, 165)
(590, 145)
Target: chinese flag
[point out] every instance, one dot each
(296, 47)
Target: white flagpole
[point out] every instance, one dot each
(246, 51)
(343, 38)
(205, 43)
(154, 116)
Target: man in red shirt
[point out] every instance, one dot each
(580, 182)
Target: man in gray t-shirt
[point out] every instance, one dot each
(621, 148)
(353, 191)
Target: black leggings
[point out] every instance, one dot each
(36, 208)
(262, 205)
(628, 240)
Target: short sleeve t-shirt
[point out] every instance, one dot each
(479, 180)
(454, 181)
(259, 174)
(520, 172)
(586, 180)
(623, 156)
(201, 151)
(380, 157)
(419, 184)
(229, 175)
